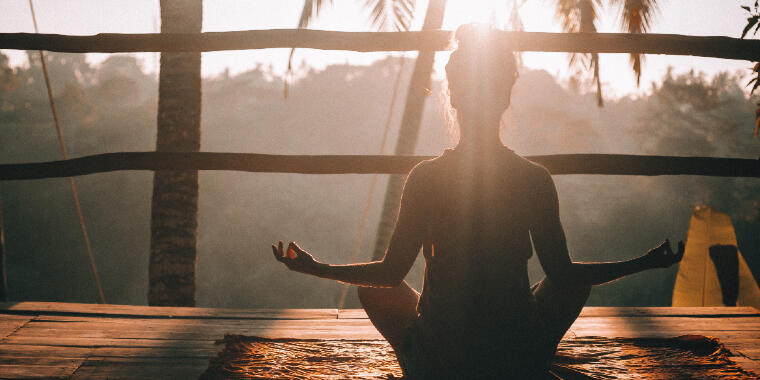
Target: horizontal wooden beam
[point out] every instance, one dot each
(672, 44)
(609, 164)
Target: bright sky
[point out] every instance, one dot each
(694, 17)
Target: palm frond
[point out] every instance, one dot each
(636, 17)
(514, 23)
(579, 16)
(311, 9)
(753, 20)
(395, 15)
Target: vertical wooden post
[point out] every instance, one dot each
(419, 87)
(174, 212)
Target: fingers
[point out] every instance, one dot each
(666, 246)
(277, 255)
(292, 251)
(278, 251)
(296, 247)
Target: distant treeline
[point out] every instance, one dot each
(341, 110)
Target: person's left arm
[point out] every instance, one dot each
(405, 244)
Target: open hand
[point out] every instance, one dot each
(295, 258)
(663, 256)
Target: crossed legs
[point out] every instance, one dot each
(391, 310)
(559, 305)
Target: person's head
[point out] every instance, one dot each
(481, 73)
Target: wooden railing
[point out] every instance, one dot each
(671, 44)
(717, 47)
(609, 164)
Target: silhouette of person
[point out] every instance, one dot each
(474, 210)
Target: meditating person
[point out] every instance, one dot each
(474, 211)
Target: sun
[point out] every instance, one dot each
(460, 12)
(533, 15)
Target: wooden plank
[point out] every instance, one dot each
(124, 335)
(41, 360)
(106, 342)
(162, 311)
(18, 350)
(697, 312)
(90, 338)
(11, 323)
(649, 43)
(603, 164)
(36, 371)
(352, 314)
(726, 323)
(181, 329)
(601, 311)
(119, 322)
(141, 368)
(35, 351)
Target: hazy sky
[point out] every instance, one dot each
(694, 17)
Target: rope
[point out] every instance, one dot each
(365, 214)
(65, 157)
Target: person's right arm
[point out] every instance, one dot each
(550, 245)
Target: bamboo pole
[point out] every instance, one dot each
(671, 44)
(604, 164)
(72, 184)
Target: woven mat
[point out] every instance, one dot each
(688, 356)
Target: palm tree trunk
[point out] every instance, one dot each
(174, 212)
(410, 127)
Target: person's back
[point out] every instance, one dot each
(476, 287)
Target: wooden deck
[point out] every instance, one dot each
(66, 340)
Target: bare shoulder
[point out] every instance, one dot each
(428, 167)
(533, 171)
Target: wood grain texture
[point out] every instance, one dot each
(61, 340)
(10, 323)
(53, 308)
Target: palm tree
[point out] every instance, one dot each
(410, 127)
(581, 15)
(174, 212)
(395, 15)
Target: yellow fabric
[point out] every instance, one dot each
(697, 280)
